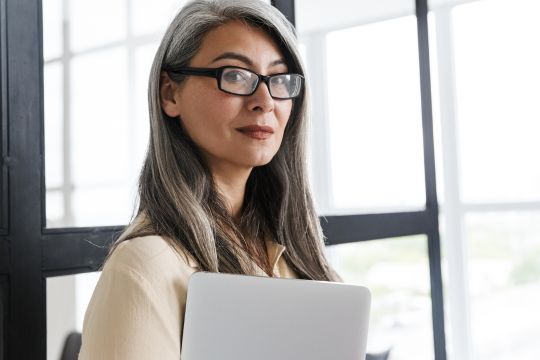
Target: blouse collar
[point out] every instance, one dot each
(273, 250)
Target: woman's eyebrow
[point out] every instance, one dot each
(277, 62)
(244, 59)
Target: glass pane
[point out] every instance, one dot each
(363, 63)
(55, 208)
(97, 129)
(88, 203)
(67, 299)
(497, 86)
(54, 117)
(52, 27)
(504, 277)
(96, 23)
(148, 18)
(397, 273)
(96, 116)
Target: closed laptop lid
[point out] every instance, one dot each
(238, 317)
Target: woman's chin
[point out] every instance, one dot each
(260, 159)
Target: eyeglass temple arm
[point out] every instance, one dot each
(195, 71)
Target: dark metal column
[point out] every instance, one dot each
(434, 245)
(26, 338)
(3, 131)
(287, 8)
(4, 245)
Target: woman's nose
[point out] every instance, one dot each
(261, 100)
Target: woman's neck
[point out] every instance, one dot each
(232, 187)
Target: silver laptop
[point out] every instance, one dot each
(237, 317)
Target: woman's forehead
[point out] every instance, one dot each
(240, 43)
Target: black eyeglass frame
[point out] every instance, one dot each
(217, 72)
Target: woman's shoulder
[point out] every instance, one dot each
(151, 256)
(136, 307)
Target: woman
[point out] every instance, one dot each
(224, 184)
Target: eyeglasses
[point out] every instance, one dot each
(239, 81)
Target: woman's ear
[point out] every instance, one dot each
(168, 96)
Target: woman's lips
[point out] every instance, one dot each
(256, 131)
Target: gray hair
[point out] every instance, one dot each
(177, 197)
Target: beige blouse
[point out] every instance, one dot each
(137, 308)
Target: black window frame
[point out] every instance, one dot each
(30, 253)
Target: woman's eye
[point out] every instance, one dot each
(278, 80)
(235, 76)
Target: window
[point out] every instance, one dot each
(397, 273)
(375, 127)
(41, 253)
(367, 165)
(67, 299)
(488, 81)
(366, 154)
(96, 122)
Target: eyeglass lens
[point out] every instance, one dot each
(244, 82)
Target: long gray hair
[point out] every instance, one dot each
(178, 199)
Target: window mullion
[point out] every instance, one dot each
(458, 285)
(320, 138)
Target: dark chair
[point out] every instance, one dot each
(379, 356)
(72, 346)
